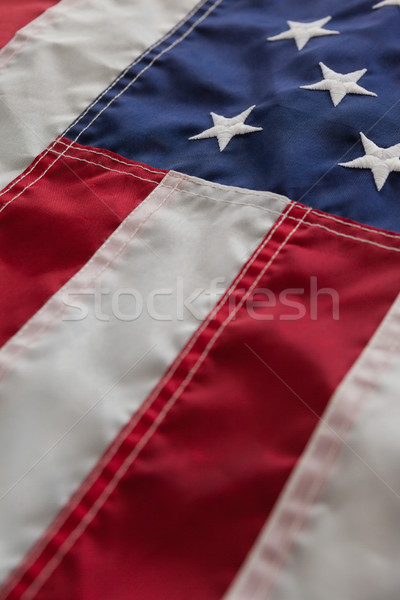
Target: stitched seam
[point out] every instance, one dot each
(197, 195)
(213, 186)
(237, 191)
(313, 211)
(82, 271)
(158, 43)
(244, 192)
(89, 162)
(262, 195)
(291, 205)
(86, 150)
(169, 34)
(25, 174)
(95, 473)
(351, 237)
(356, 225)
(170, 47)
(167, 377)
(315, 488)
(122, 162)
(263, 208)
(84, 522)
(112, 84)
(249, 193)
(320, 479)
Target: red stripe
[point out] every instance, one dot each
(17, 14)
(50, 231)
(205, 462)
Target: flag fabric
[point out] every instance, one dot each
(200, 321)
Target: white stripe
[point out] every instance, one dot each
(68, 387)
(58, 64)
(335, 530)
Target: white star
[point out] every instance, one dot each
(225, 129)
(339, 84)
(303, 32)
(387, 3)
(381, 161)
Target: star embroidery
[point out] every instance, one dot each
(381, 161)
(339, 84)
(387, 3)
(302, 33)
(225, 129)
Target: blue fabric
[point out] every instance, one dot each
(226, 65)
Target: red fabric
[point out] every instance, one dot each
(205, 470)
(15, 14)
(50, 231)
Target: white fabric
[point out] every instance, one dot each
(63, 60)
(67, 387)
(335, 531)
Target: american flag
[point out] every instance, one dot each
(200, 322)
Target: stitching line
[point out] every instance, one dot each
(85, 521)
(85, 150)
(112, 84)
(170, 47)
(97, 100)
(356, 225)
(89, 162)
(159, 55)
(243, 192)
(263, 208)
(82, 271)
(169, 34)
(238, 191)
(327, 457)
(313, 492)
(95, 473)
